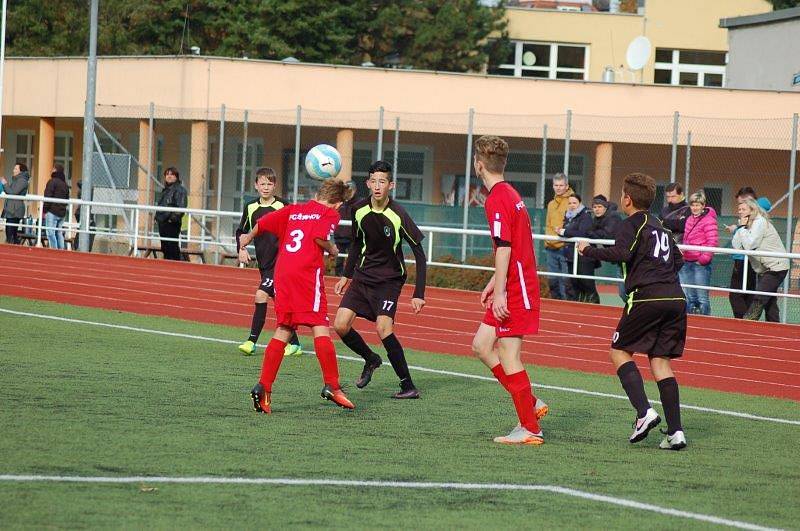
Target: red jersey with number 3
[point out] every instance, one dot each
(510, 225)
(299, 269)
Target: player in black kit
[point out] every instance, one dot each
(266, 246)
(654, 319)
(375, 263)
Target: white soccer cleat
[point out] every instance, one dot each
(520, 435)
(642, 426)
(676, 441)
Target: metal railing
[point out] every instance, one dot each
(227, 243)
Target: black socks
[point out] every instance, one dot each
(259, 316)
(394, 350)
(356, 343)
(670, 400)
(632, 382)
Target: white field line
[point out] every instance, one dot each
(620, 502)
(738, 414)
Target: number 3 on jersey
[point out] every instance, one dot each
(297, 241)
(661, 248)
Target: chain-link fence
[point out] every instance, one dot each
(217, 152)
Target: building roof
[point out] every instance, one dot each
(762, 18)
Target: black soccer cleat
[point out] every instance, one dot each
(261, 399)
(366, 374)
(407, 394)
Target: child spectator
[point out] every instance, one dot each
(701, 229)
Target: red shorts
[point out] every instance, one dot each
(519, 323)
(294, 319)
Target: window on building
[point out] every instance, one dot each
(24, 153)
(690, 67)
(63, 155)
(159, 156)
(255, 159)
(524, 171)
(410, 173)
(544, 60)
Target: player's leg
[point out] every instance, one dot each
(670, 400)
(519, 387)
(273, 356)
(484, 345)
(343, 324)
(384, 325)
(326, 354)
(633, 384)
(257, 324)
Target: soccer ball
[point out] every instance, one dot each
(323, 162)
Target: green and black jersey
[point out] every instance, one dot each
(266, 243)
(649, 256)
(376, 252)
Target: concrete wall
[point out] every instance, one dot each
(764, 56)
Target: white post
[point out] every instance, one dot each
(567, 136)
(396, 150)
(244, 160)
(467, 174)
(88, 127)
(298, 120)
(674, 160)
(2, 67)
(379, 156)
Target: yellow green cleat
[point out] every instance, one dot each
(248, 348)
(293, 350)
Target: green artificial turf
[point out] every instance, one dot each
(83, 400)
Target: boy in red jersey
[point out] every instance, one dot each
(511, 297)
(302, 232)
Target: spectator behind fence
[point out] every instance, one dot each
(701, 229)
(169, 223)
(14, 209)
(676, 211)
(604, 227)
(54, 213)
(342, 235)
(757, 233)
(577, 224)
(556, 262)
(740, 302)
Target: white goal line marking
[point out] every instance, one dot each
(555, 489)
(737, 414)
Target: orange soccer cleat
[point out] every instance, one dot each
(337, 397)
(261, 399)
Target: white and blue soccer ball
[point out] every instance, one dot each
(323, 162)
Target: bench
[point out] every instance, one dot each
(153, 250)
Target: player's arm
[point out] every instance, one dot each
(327, 246)
(354, 253)
(273, 222)
(411, 234)
(244, 256)
(621, 251)
(502, 257)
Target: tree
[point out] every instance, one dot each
(431, 34)
(783, 4)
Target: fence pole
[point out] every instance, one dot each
(244, 160)
(467, 174)
(296, 153)
(687, 173)
(396, 151)
(135, 232)
(88, 126)
(150, 131)
(790, 212)
(567, 135)
(674, 160)
(543, 179)
(379, 156)
(220, 163)
(40, 212)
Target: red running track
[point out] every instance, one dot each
(724, 354)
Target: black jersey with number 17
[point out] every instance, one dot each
(649, 256)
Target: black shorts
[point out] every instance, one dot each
(655, 328)
(369, 301)
(267, 284)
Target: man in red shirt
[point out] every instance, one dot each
(511, 297)
(302, 232)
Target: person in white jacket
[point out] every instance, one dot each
(756, 233)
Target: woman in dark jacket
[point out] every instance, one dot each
(604, 226)
(577, 224)
(54, 213)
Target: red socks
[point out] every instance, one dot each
(501, 376)
(326, 354)
(519, 386)
(273, 356)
